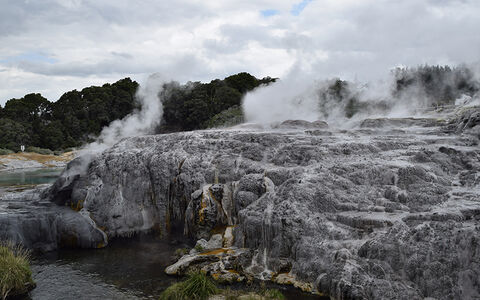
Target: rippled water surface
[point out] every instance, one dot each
(126, 269)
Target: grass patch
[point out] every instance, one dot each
(197, 287)
(173, 292)
(39, 150)
(181, 252)
(273, 294)
(5, 151)
(198, 248)
(15, 273)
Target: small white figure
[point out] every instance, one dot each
(22, 148)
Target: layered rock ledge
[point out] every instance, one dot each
(390, 210)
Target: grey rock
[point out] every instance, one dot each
(372, 214)
(215, 242)
(302, 124)
(403, 122)
(43, 227)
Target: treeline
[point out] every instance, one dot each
(77, 117)
(422, 87)
(197, 105)
(440, 85)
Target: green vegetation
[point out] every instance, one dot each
(263, 294)
(198, 248)
(5, 151)
(69, 122)
(197, 287)
(39, 150)
(198, 105)
(79, 116)
(181, 252)
(441, 85)
(173, 292)
(229, 117)
(428, 86)
(273, 294)
(15, 273)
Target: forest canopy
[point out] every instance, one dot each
(74, 119)
(79, 116)
(197, 105)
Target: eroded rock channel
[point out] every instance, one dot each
(388, 210)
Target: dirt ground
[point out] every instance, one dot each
(29, 159)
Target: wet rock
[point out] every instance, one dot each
(28, 221)
(219, 261)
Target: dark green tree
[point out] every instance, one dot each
(12, 134)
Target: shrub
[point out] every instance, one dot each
(5, 151)
(39, 150)
(173, 292)
(227, 118)
(15, 273)
(273, 294)
(198, 248)
(181, 252)
(197, 287)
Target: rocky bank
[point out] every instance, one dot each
(387, 210)
(30, 160)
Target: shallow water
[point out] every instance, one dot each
(29, 176)
(127, 269)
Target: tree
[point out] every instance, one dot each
(12, 134)
(191, 106)
(31, 108)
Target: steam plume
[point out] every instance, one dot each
(407, 92)
(139, 122)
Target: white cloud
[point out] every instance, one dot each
(92, 42)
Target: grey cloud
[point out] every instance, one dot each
(122, 54)
(181, 67)
(202, 40)
(234, 38)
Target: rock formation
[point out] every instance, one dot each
(388, 210)
(40, 225)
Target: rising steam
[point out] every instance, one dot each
(139, 122)
(407, 92)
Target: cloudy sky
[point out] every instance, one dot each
(52, 46)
